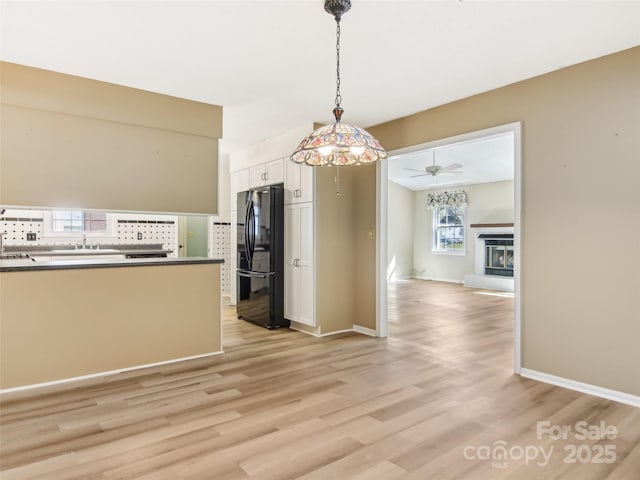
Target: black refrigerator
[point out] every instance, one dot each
(260, 257)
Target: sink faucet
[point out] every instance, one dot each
(82, 245)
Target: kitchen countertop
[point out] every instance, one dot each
(99, 251)
(27, 265)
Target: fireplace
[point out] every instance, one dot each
(494, 257)
(498, 255)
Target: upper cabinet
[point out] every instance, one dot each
(239, 183)
(268, 173)
(298, 183)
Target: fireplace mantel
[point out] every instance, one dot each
(490, 225)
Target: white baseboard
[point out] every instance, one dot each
(347, 330)
(437, 279)
(594, 390)
(302, 328)
(318, 335)
(365, 331)
(103, 374)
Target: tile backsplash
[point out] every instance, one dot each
(221, 248)
(127, 229)
(17, 228)
(138, 229)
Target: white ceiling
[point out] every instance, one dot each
(487, 159)
(271, 64)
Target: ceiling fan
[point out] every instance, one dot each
(435, 170)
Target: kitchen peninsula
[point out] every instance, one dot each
(82, 144)
(64, 319)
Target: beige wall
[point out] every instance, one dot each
(580, 168)
(345, 272)
(488, 203)
(73, 142)
(400, 225)
(335, 250)
(365, 245)
(131, 316)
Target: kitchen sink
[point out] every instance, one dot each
(85, 251)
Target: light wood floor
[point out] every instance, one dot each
(284, 405)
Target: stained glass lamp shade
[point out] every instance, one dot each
(338, 144)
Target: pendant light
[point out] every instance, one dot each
(338, 144)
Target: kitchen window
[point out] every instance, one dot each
(449, 230)
(70, 223)
(78, 221)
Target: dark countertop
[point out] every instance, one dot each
(97, 251)
(28, 265)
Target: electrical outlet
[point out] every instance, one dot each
(31, 237)
(139, 235)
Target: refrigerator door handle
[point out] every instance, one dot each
(252, 233)
(247, 232)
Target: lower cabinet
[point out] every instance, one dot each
(299, 288)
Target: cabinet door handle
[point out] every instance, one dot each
(297, 193)
(296, 262)
(264, 176)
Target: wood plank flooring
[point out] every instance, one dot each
(430, 402)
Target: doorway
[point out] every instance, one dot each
(193, 236)
(385, 264)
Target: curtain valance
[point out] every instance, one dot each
(456, 198)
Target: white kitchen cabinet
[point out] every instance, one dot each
(239, 183)
(268, 173)
(299, 288)
(298, 183)
(275, 172)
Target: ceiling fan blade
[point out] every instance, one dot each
(421, 175)
(413, 170)
(448, 168)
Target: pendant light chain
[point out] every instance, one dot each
(338, 95)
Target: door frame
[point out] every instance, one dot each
(382, 200)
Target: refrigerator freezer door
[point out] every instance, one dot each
(255, 290)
